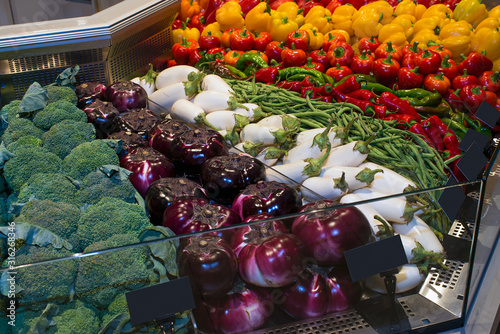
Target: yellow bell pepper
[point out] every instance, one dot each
(342, 18)
(321, 18)
(367, 25)
(494, 12)
(432, 23)
(382, 7)
(189, 8)
(184, 32)
(229, 15)
(419, 11)
(258, 18)
(491, 22)
(406, 21)
(456, 28)
(439, 10)
(457, 45)
(405, 7)
(290, 10)
(279, 27)
(212, 29)
(487, 40)
(472, 11)
(345, 10)
(496, 65)
(424, 36)
(393, 33)
(315, 37)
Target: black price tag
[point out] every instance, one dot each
(160, 301)
(375, 258)
(473, 136)
(451, 200)
(487, 114)
(472, 162)
(456, 249)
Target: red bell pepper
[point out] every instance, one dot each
(463, 80)
(182, 50)
(411, 48)
(294, 86)
(247, 5)
(340, 53)
(207, 42)
(386, 70)
(267, 75)
(261, 40)
(397, 105)
(409, 78)
(453, 99)
(472, 95)
(349, 85)
(198, 21)
(274, 50)
(330, 38)
(338, 72)
(299, 38)
(437, 82)
(448, 68)
(241, 40)
(312, 65)
(490, 80)
(368, 44)
(362, 63)
(428, 62)
(387, 48)
(293, 56)
(473, 63)
(403, 121)
(319, 56)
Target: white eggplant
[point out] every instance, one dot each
(215, 82)
(407, 278)
(307, 149)
(212, 100)
(165, 97)
(222, 119)
(307, 135)
(252, 111)
(256, 133)
(355, 177)
(261, 155)
(274, 121)
(147, 86)
(389, 182)
(187, 111)
(290, 174)
(346, 155)
(418, 230)
(174, 74)
(317, 188)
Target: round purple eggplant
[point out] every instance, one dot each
(189, 150)
(223, 177)
(89, 92)
(129, 141)
(328, 232)
(126, 95)
(138, 121)
(267, 196)
(210, 264)
(161, 193)
(162, 134)
(103, 115)
(147, 165)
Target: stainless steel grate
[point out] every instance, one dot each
(447, 278)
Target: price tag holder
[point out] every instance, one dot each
(487, 114)
(451, 200)
(472, 162)
(160, 301)
(473, 136)
(375, 258)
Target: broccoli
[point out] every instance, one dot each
(78, 318)
(25, 141)
(57, 93)
(102, 277)
(56, 112)
(7, 113)
(20, 127)
(108, 217)
(45, 283)
(98, 184)
(53, 186)
(58, 217)
(28, 161)
(86, 157)
(66, 135)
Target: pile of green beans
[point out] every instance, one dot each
(397, 149)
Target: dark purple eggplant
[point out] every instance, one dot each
(161, 193)
(129, 140)
(138, 121)
(267, 196)
(147, 165)
(328, 232)
(89, 92)
(210, 264)
(223, 177)
(189, 150)
(126, 95)
(103, 115)
(162, 134)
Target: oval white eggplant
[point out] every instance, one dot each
(252, 111)
(389, 182)
(418, 230)
(275, 121)
(163, 99)
(148, 87)
(290, 174)
(307, 150)
(174, 74)
(368, 211)
(215, 82)
(222, 119)
(186, 110)
(345, 155)
(350, 174)
(316, 188)
(256, 133)
(305, 136)
(408, 278)
(212, 100)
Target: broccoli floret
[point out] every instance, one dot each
(98, 184)
(86, 157)
(102, 277)
(7, 113)
(27, 162)
(45, 283)
(66, 135)
(58, 217)
(20, 127)
(56, 112)
(76, 319)
(52, 186)
(108, 217)
(57, 93)
(25, 141)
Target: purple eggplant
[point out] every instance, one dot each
(242, 235)
(126, 95)
(320, 291)
(328, 232)
(147, 165)
(161, 193)
(138, 121)
(245, 308)
(129, 141)
(267, 196)
(223, 177)
(103, 115)
(89, 92)
(189, 150)
(193, 214)
(210, 264)
(162, 134)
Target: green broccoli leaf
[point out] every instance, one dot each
(5, 155)
(116, 324)
(116, 172)
(36, 235)
(67, 77)
(34, 99)
(115, 144)
(45, 320)
(164, 251)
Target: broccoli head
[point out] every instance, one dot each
(28, 161)
(66, 135)
(58, 93)
(86, 157)
(58, 217)
(104, 276)
(25, 141)
(20, 127)
(56, 112)
(8, 112)
(76, 318)
(108, 217)
(39, 284)
(52, 186)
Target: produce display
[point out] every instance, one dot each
(256, 143)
